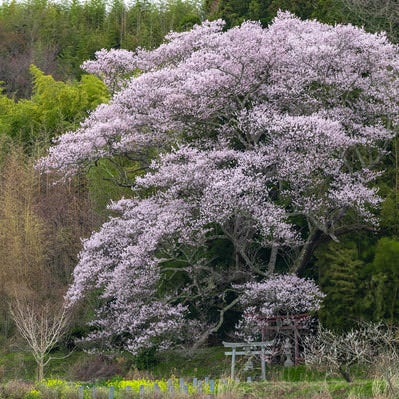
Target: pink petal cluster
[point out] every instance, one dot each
(285, 294)
(279, 295)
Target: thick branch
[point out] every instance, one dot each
(204, 336)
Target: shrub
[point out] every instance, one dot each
(16, 389)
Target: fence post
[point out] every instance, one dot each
(212, 386)
(111, 393)
(157, 389)
(170, 386)
(80, 392)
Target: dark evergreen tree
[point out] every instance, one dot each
(385, 280)
(340, 276)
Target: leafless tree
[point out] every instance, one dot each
(374, 345)
(41, 325)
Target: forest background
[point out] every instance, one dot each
(45, 93)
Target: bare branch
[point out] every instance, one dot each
(41, 325)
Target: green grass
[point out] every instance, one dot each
(17, 365)
(201, 363)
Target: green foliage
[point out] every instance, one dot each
(201, 363)
(331, 11)
(7, 106)
(101, 183)
(389, 188)
(302, 8)
(341, 279)
(369, 14)
(235, 11)
(298, 373)
(385, 280)
(389, 216)
(53, 108)
(360, 284)
(33, 394)
(146, 359)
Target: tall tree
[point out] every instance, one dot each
(267, 138)
(341, 279)
(385, 280)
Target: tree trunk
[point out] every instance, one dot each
(40, 368)
(306, 252)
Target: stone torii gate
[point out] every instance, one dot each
(248, 349)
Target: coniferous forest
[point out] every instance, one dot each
(45, 216)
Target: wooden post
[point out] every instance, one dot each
(262, 363)
(181, 384)
(233, 363)
(296, 338)
(212, 386)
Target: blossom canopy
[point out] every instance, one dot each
(255, 142)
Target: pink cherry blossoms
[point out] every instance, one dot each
(263, 139)
(280, 295)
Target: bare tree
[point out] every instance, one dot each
(374, 345)
(41, 325)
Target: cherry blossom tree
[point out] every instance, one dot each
(252, 142)
(280, 295)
